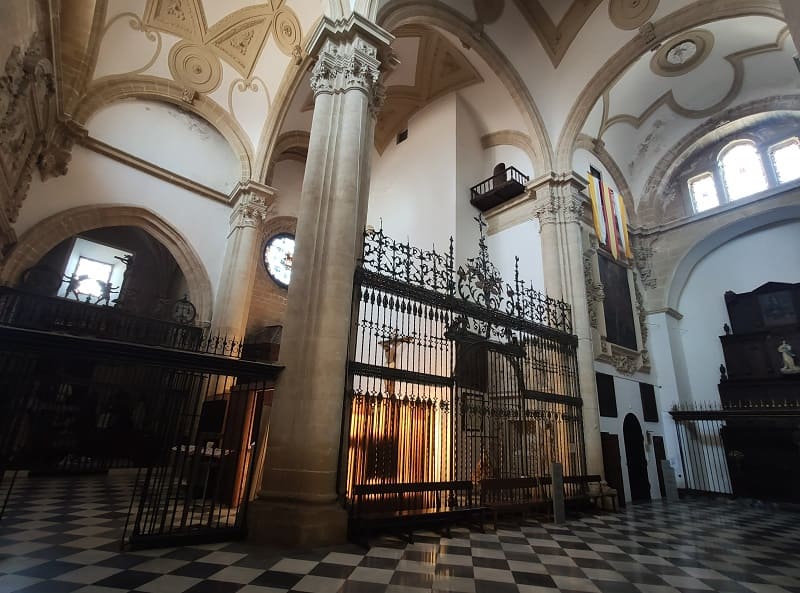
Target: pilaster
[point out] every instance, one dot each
(251, 204)
(560, 206)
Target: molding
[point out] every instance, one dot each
(652, 198)
(440, 69)
(436, 13)
(136, 162)
(510, 138)
(682, 19)
(668, 311)
(736, 60)
(556, 39)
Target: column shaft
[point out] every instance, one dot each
(298, 502)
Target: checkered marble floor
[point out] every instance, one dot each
(62, 535)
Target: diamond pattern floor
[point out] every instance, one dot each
(62, 535)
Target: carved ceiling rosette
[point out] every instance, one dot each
(195, 67)
(631, 14)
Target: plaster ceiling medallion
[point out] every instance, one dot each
(556, 39)
(241, 44)
(631, 14)
(287, 30)
(237, 38)
(183, 18)
(683, 54)
(195, 67)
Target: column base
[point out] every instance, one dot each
(294, 524)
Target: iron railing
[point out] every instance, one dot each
(188, 421)
(57, 314)
(490, 183)
(742, 448)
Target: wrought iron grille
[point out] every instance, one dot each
(454, 375)
(188, 423)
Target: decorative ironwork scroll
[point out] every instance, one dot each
(454, 374)
(477, 281)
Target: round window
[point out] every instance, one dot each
(278, 254)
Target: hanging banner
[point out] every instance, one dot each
(596, 197)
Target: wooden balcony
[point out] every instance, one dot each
(505, 184)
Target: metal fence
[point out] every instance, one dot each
(455, 376)
(187, 421)
(744, 448)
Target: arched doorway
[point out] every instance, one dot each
(637, 462)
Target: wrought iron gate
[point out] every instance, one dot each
(454, 375)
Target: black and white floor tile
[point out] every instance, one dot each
(63, 535)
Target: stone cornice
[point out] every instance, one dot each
(252, 204)
(135, 162)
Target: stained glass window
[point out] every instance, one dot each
(786, 158)
(742, 170)
(278, 255)
(704, 192)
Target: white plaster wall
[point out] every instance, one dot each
(95, 179)
(629, 401)
(522, 240)
(470, 165)
(412, 189)
(169, 137)
(745, 263)
(511, 156)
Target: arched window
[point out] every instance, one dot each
(704, 192)
(786, 159)
(742, 170)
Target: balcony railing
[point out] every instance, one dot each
(498, 188)
(57, 314)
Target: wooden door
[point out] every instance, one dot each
(613, 464)
(661, 455)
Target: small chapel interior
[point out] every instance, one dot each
(394, 296)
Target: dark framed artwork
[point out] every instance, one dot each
(617, 304)
(777, 308)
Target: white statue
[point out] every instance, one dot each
(789, 365)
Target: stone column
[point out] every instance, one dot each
(298, 503)
(791, 12)
(251, 203)
(559, 207)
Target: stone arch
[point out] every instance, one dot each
(394, 13)
(37, 241)
(685, 18)
(672, 160)
(717, 239)
(116, 88)
(289, 146)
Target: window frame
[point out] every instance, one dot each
(709, 162)
(729, 148)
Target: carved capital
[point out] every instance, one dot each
(346, 65)
(252, 204)
(559, 206)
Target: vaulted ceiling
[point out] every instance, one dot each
(632, 77)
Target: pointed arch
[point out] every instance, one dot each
(400, 12)
(37, 241)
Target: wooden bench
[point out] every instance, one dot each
(403, 508)
(510, 495)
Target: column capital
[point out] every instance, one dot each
(252, 203)
(558, 198)
(351, 54)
